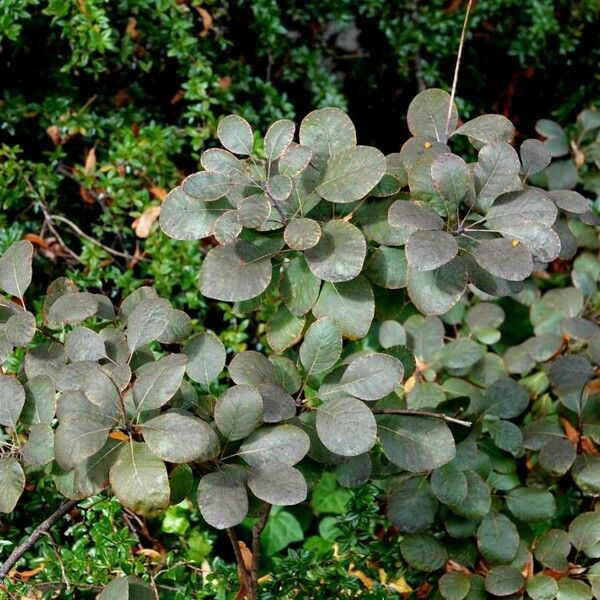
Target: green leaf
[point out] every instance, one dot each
(542, 587)
(495, 173)
(157, 382)
(570, 201)
(572, 589)
(12, 484)
(15, 268)
(584, 533)
(12, 400)
(139, 480)
(391, 333)
(425, 336)
(20, 328)
(386, 267)
(414, 216)
(372, 376)
(411, 506)
(529, 204)
(84, 344)
(552, 549)
(351, 174)
(73, 308)
(557, 456)
(277, 402)
(449, 484)
(416, 444)
(428, 113)
(147, 322)
(251, 367)
(321, 347)
(221, 161)
(206, 357)
(127, 588)
(235, 134)
(503, 581)
(340, 253)
(504, 258)
(451, 179)
(436, 292)
(556, 142)
(535, 156)
(476, 504)
(506, 398)
(206, 186)
(279, 445)
(222, 499)
(294, 159)
(185, 218)
(281, 486)
(346, 426)
(238, 411)
(531, 505)
(374, 221)
(91, 476)
(507, 436)
(281, 530)
(180, 438)
(487, 129)
(354, 472)
(39, 448)
(569, 375)
(40, 403)
(351, 305)
(234, 272)
(278, 138)
(454, 586)
(423, 552)
(284, 329)
(428, 250)
(298, 287)
(326, 132)
(461, 353)
(328, 497)
(498, 539)
(228, 226)
(302, 233)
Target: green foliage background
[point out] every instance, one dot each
(144, 86)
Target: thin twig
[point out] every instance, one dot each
(421, 413)
(456, 68)
(40, 530)
(50, 225)
(242, 570)
(89, 238)
(256, 532)
(60, 562)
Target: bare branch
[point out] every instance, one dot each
(242, 569)
(40, 531)
(456, 68)
(256, 531)
(421, 413)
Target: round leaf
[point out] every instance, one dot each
(372, 376)
(235, 134)
(222, 499)
(427, 250)
(238, 411)
(206, 357)
(302, 234)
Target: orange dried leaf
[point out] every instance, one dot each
(454, 567)
(207, 21)
(570, 431)
(119, 436)
(90, 161)
(131, 29)
(588, 447)
(143, 225)
(54, 132)
(158, 192)
(36, 240)
(149, 552)
(365, 579)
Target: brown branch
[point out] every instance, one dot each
(242, 569)
(256, 531)
(40, 531)
(421, 413)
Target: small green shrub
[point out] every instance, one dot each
(442, 410)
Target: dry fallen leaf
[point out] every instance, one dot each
(143, 225)
(207, 21)
(90, 161)
(54, 132)
(570, 431)
(158, 192)
(365, 579)
(588, 446)
(36, 240)
(131, 29)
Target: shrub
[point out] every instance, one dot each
(438, 408)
